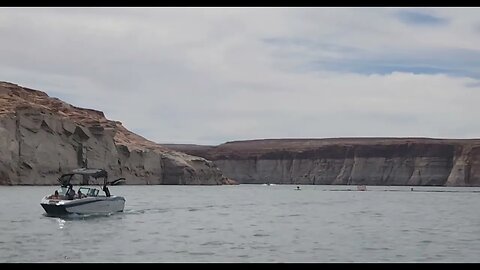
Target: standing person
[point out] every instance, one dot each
(105, 189)
(70, 193)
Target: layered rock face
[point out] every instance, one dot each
(42, 137)
(347, 161)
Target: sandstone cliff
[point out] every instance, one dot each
(344, 161)
(42, 137)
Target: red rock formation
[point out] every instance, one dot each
(359, 161)
(41, 137)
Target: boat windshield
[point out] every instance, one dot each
(62, 191)
(90, 192)
(93, 192)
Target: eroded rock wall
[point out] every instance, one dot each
(41, 138)
(349, 161)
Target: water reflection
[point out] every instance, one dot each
(61, 223)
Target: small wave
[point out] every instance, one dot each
(214, 243)
(137, 240)
(75, 216)
(261, 235)
(145, 211)
(322, 248)
(201, 253)
(260, 247)
(426, 242)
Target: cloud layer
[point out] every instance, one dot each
(210, 75)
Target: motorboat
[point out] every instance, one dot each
(362, 188)
(88, 199)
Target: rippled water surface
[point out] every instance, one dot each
(249, 223)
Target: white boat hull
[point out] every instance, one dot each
(89, 205)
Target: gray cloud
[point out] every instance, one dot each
(201, 75)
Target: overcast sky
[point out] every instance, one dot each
(211, 75)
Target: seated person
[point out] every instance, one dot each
(80, 194)
(54, 196)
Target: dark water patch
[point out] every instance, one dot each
(322, 248)
(201, 253)
(20, 221)
(261, 235)
(140, 252)
(426, 241)
(145, 211)
(214, 243)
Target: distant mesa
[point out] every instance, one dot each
(347, 161)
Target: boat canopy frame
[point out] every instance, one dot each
(95, 173)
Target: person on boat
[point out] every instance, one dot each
(298, 188)
(105, 189)
(80, 194)
(70, 193)
(55, 195)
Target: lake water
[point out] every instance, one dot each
(249, 223)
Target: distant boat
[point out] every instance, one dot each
(298, 188)
(268, 184)
(361, 188)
